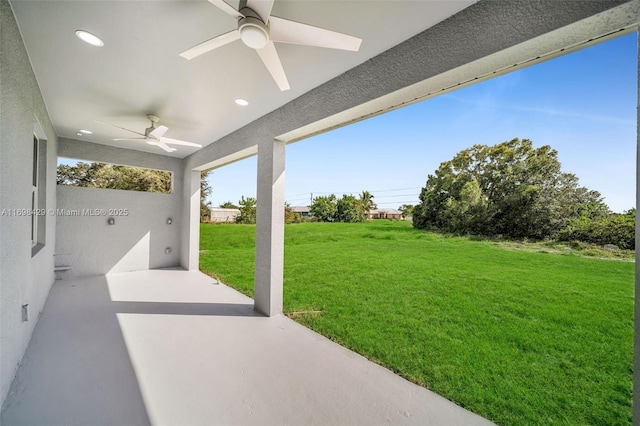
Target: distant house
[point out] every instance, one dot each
(385, 214)
(223, 215)
(303, 210)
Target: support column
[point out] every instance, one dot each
(636, 333)
(270, 228)
(190, 238)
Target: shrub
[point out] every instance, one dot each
(617, 229)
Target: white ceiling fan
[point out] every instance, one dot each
(259, 30)
(155, 135)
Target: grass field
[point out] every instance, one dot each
(519, 337)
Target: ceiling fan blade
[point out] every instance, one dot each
(222, 5)
(159, 132)
(161, 145)
(164, 146)
(211, 44)
(179, 142)
(271, 60)
(118, 127)
(261, 7)
(285, 31)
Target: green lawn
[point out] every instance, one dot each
(519, 337)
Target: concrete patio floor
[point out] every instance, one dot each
(173, 347)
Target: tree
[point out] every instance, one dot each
(228, 205)
(406, 209)
(468, 213)
(290, 216)
(247, 208)
(110, 176)
(366, 204)
(324, 208)
(205, 191)
(509, 189)
(349, 209)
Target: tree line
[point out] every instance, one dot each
(514, 190)
(330, 208)
(509, 190)
(348, 208)
(112, 176)
(247, 207)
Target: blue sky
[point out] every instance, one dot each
(582, 104)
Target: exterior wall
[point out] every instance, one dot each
(24, 279)
(385, 214)
(140, 235)
(303, 210)
(224, 215)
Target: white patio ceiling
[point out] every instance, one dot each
(138, 71)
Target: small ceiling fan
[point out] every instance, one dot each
(155, 135)
(259, 30)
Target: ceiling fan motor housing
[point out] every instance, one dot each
(154, 119)
(253, 32)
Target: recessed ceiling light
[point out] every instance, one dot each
(86, 132)
(87, 37)
(242, 102)
(79, 134)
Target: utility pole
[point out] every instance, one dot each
(311, 199)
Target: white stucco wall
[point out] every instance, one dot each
(140, 236)
(223, 215)
(24, 279)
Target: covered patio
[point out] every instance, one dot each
(177, 347)
(134, 333)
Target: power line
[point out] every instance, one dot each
(398, 202)
(376, 198)
(398, 195)
(299, 195)
(400, 189)
(359, 192)
(308, 196)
